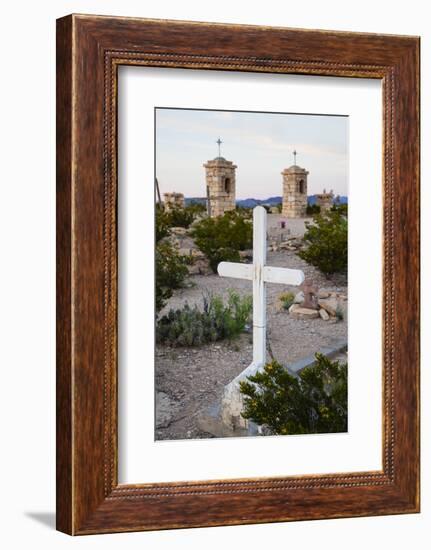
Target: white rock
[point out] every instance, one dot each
(329, 304)
(244, 254)
(179, 230)
(197, 254)
(323, 314)
(305, 313)
(299, 298)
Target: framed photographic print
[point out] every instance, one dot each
(237, 274)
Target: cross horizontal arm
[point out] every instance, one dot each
(235, 270)
(283, 275)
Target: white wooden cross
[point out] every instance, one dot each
(260, 274)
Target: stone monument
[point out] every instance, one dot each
(325, 200)
(294, 191)
(220, 184)
(173, 200)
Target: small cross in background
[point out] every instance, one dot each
(294, 156)
(219, 142)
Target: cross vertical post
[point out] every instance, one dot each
(259, 286)
(259, 274)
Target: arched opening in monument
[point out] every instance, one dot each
(227, 185)
(301, 185)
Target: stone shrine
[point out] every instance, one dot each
(173, 200)
(220, 185)
(294, 191)
(325, 200)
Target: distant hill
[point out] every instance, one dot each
(251, 203)
(195, 200)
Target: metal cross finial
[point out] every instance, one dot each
(294, 156)
(219, 142)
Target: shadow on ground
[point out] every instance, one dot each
(45, 518)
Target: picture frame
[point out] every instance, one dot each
(89, 51)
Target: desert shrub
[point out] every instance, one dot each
(176, 217)
(246, 213)
(181, 217)
(162, 224)
(315, 401)
(326, 240)
(198, 208)
(312, 209)
(191, 326)
(171, 270)
(221, 238)
(287, 299)
(341, 208)
(339, 313)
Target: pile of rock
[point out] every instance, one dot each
(197, 263)
(200, 267)
(292, 244)
(246, 255)
(327, 305)
(179, 231)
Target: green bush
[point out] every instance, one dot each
(245, 212)
(171, 268)
(162, 224)
(194, 327)
(339, 313)
(341, 208)
(181, 217)
(287, 299)
(326, 238)
(171, 271)
(312, 209)
(197, 207)
(221, 238)
(313, 402)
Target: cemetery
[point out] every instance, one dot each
(244, 295)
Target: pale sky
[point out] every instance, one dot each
(260, 144)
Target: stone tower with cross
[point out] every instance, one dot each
(220, 185)
(294, 191)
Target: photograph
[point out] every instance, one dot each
(213, 319)
(251, 285)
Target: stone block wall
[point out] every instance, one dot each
(325, 200)
(294, 192)
(173, 200)
(220, 181)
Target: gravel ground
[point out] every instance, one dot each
(190, 380)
